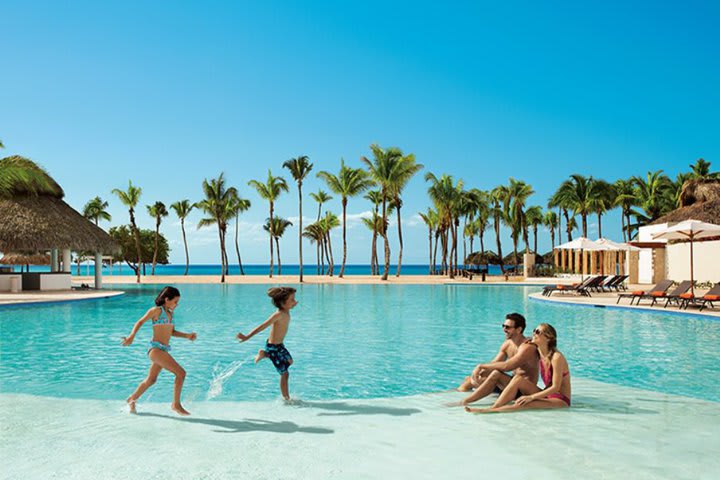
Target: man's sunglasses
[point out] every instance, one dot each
(507, 327)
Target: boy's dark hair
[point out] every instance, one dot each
(518, 319)
(167, 293)
(280, 294)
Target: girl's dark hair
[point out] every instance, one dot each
(167, 293)
(280, 294)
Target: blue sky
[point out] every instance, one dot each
(169, 93)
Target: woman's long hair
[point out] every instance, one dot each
(551, 334)
(167, 293)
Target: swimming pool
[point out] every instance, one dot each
(348, 342)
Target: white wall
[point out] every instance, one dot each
(645, 263)
(706, 264)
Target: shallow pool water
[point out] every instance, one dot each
(348, 341)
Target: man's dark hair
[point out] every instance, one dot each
(518, 319)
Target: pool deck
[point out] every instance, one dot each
(60, 296)
(610, 300)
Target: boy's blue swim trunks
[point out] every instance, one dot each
(279, 356)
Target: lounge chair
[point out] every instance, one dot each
(661, 287)
(680, 293)
(712, 295)
(581, 288)
(617, 282)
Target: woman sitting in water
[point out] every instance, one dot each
(554, 372)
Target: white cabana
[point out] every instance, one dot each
(690, 230)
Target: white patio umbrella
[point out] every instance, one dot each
(690, 230)
(612, 246)
(580, 243)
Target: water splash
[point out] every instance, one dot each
(220, 376)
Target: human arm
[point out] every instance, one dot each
(148, 315)
(523, 355)
(190, 336)
(272, 319)
(480, 369)
(560, 370)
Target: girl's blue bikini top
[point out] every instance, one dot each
(163, 318)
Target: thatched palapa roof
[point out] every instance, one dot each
(705, 212)
(33, 216)
(25, 259)
(487, 258)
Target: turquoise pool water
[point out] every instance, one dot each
(348, 341)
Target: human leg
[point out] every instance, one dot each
(518, 384)
(144, 385)
(542, 403)
(166, 361)
(284, 389)
(495, 379)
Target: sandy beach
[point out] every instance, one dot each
(310, 279)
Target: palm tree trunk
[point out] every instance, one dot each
(342, 268)
(499, 245)
(136, 234)
(272, 266)
(317, 256)
(331, 261)
(277, 247)
(453, 248)
(430, 262)
(535, 240)
(622, 221)
(386, 271)
(599, 225)
(155, 251)
(373, 254)
(567, 225)
(222, 255)
(187, 253)
(482, 243)
(584, 224)
(300, 230)
(400, 238)
(552, 237)
(434, 258)
(237, 246)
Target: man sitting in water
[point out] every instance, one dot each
(516, 354)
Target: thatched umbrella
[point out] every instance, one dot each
(33, 216)
(25, 259)
(487, 258)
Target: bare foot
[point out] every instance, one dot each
(131, 403)
(179, 409)
(260, 355)
(476, 410)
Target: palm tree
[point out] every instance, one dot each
(625, 198)
(384, 170)
(498, 195)
(348, 183)
(376, 198)
(701, 170)
(563, 200)
(21, 174)
(550, 220)
(517, 195)
(405, 170)
(320, 197)
(299, 168)
(534, 218)
(270, 191)
(236, 206)
(652, 196)
(446, 197)
(316, 235)
(327, 223)
(602, 199)
(277, 230)
(215, 205)
(430, 218)
(182, 209)
(158, 211)
(94, 210)
(130, 199)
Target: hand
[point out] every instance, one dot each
(242, 337)
(523, 400)
(127, 340)
(192, 336)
